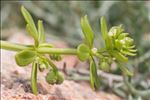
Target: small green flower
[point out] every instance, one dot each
(104, 66)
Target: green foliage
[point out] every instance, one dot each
(83, 52)
(119, 57)
(29, 20)
(31, 28)
(104, 66)
(41, 37)
(118, 46)
(87, 31)
(104, 31)
(25, 57)
(39, 61)
(61, 19)
(94, 79)
(103, 28)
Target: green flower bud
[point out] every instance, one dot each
(118, 44)
(51, 77)
(109, 60)
(122, 35)
(60, 78)
(42, 67)
(116, 31)
(55, 57)
(113, 32)
(128, 41)
(104, 66)
(42, 64)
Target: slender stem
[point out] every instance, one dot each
(45, 50)
(51, 64)
(34, 78)
(67, 51)
(12, 46)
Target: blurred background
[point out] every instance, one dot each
(62, 21)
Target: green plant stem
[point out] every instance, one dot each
(67, 51)
(51, 64)
(12, 46)
(44, 50)
(34, 78)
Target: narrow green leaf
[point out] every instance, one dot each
(87, 31)
(109, 43)
(128, 53)
(25, 57)
(94, 74)
(41, 32)
(131, 47)
(29, 19)
(133, 50)
(31, 28)
(104, 31)
(103, 28)
(119, 57)
(31, 32)
(83, 52)
(122, 35)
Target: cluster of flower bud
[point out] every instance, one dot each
(121, 41)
